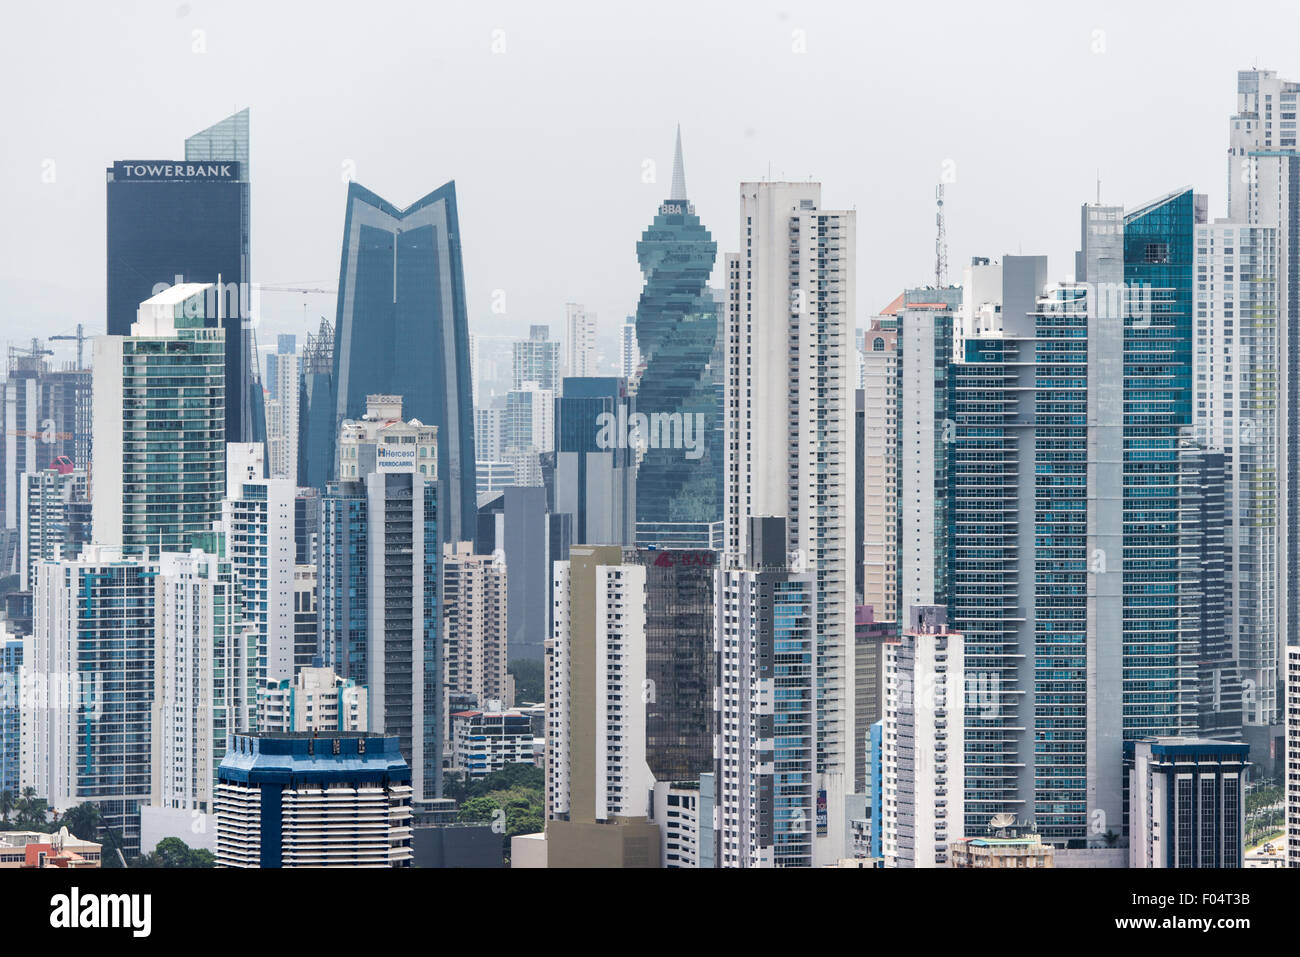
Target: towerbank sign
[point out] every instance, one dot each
(172, 170)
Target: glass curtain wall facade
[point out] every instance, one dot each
(676, 332)
(191, 219)
(401, 329)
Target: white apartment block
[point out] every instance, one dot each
(483, 742)
(1292, 782)
(789, 439)
(282, 419)
(205, 677)
(677, 812)
(489, 433)
(474, 624)
(924, 741)
(880, 471)
(1238, 364)
(596, 672)
(579, 341)
(315, 700)
(258, 522)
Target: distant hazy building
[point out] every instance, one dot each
(282, 413)
(306, 800)
(56, 517)
(579, 341)
(47, 415)
(1187, 802)
(529, 418)
(160, 414)
(629, 354)
(475, 624)
(315, 700)
(518, 525)
(593, 473)
(489, 434)
(536, 359)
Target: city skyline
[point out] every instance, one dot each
(298, 157)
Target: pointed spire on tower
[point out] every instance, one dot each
(679, 171)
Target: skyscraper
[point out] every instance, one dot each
(598, 781)
(676, 331)
(765, 641)
(86, 734)
(474, 625)
(536, 359)
(790, 434)
(379, 613)
(1264, 191)
(340, 799)
(402, 329)
(282, 411)
(257, 516)
(593, 474)
(205, 678)
(160, 404)
(56, 518)
(173, 222)
(924, 756)
(579, 341)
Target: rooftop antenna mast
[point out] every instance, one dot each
(940, 242)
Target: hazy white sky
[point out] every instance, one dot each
(547, 140)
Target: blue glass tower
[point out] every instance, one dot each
(401, 329)
(1159, 670)
(173, 221)
(676, 331)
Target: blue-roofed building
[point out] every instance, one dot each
(337, 799)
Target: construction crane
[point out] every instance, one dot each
(287, 288)
(80, 339)
(34, 351)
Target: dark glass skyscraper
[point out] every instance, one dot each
(676, 331)
(402, 329)
(174, 221)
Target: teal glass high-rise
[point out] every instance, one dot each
(676, 329)
(402, 329)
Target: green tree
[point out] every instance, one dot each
(7, 804)
(477, 810)
(173, 852)
(82, 821)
